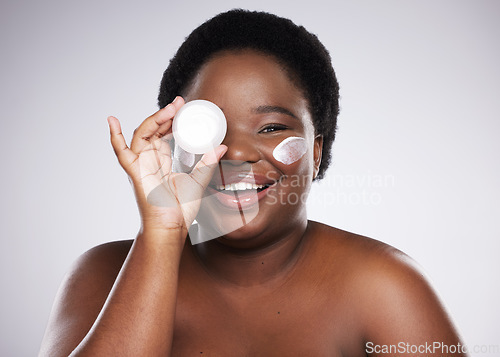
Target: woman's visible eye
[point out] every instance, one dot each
(272, 128)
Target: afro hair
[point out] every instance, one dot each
(302, 54)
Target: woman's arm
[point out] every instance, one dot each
(104, 310)
(138, 316)
(134, 317)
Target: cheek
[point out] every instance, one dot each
(290, 150)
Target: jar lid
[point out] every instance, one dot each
(199, 126)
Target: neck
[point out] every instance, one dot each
(229, 263)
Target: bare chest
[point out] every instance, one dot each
(283, 322)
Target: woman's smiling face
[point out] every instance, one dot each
(263, 107)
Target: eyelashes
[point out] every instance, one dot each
(270, 128)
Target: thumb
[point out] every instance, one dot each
(204, 169)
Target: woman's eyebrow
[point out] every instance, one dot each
(263, 109)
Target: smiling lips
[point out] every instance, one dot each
(240, 199)
(240, 186)
(239, 190)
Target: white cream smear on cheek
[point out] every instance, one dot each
(290, 150)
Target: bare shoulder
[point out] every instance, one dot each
(106, 258)
(82, 295)
(387, 290)
(359, 253)
(95, 271)
(366, 255)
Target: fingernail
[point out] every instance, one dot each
(175, 100)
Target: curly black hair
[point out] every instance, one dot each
(302, 54)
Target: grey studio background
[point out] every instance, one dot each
(415, 161)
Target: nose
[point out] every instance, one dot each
(241, 147)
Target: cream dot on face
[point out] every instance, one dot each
(290, 150)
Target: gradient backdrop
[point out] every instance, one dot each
(415, 163)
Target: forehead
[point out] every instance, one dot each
(245, 78)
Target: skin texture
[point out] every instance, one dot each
(279, 286)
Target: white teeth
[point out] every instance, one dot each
(239, 186)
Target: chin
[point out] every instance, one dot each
(232, 229)
(262, 231)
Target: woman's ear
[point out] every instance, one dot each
(318, 151)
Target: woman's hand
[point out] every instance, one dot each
(166, 200)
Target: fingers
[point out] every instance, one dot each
(156, 126)
(178, 102)
(125, 156)
(204, 169)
